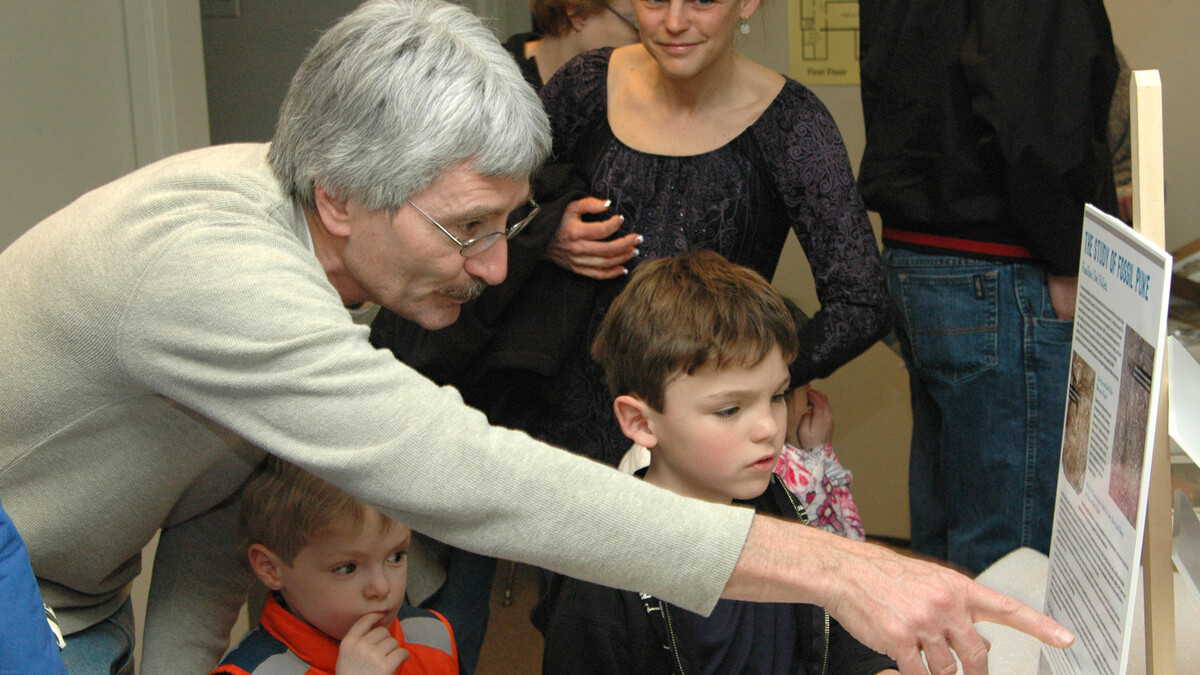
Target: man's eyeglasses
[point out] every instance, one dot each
(476, 245)
(630, 21)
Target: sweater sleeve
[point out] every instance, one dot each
(575, 98)
(240, 325)
(812, 174)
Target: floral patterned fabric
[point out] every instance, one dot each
(815, 477)
(787, 171)
(822, 484)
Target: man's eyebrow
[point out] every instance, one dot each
(478, 213)
(481, 212)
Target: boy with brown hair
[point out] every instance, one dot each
(809, 467)
(696, 352)
(337, 571)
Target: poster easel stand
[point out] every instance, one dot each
(1149, 219)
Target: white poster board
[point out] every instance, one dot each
(1103, 478)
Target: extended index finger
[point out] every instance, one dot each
(995, 607)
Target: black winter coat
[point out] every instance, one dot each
(592, 629)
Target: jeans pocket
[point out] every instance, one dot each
(1053, 331)
(1048, 329)
(950, 319)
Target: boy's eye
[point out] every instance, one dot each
(781, 397)
(727, 412)
(397, 557)
(345, 569)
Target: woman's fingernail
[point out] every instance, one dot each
(624, 270)
(636, 252)
(607, 203)
(622, 219)
(640, 239)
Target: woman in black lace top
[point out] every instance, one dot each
(699, 147)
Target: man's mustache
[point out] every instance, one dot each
(469, 291)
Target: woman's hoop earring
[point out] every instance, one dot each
(744, 26)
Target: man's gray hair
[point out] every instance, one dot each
(398, 92)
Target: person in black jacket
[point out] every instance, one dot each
(696, 351)
(986, 130)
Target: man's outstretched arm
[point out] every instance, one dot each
(896, 605)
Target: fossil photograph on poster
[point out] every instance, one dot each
(1129, 439)
(1080, 392)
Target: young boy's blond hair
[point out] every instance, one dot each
(679, 314)
(284, 508)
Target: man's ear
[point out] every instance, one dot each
(335, 213)
(266, 566)
(634, 416)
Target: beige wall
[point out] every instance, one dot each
(91, 91)
(65, 120)
(1160, 34)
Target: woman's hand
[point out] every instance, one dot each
(578, 245)
(368, 649)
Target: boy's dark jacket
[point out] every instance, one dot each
(596, 629)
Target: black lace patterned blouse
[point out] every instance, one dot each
(787, 171)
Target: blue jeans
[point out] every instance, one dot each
(988, 365)
(105, 648)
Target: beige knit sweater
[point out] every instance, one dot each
(161, 332)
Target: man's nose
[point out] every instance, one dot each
(492, 264)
